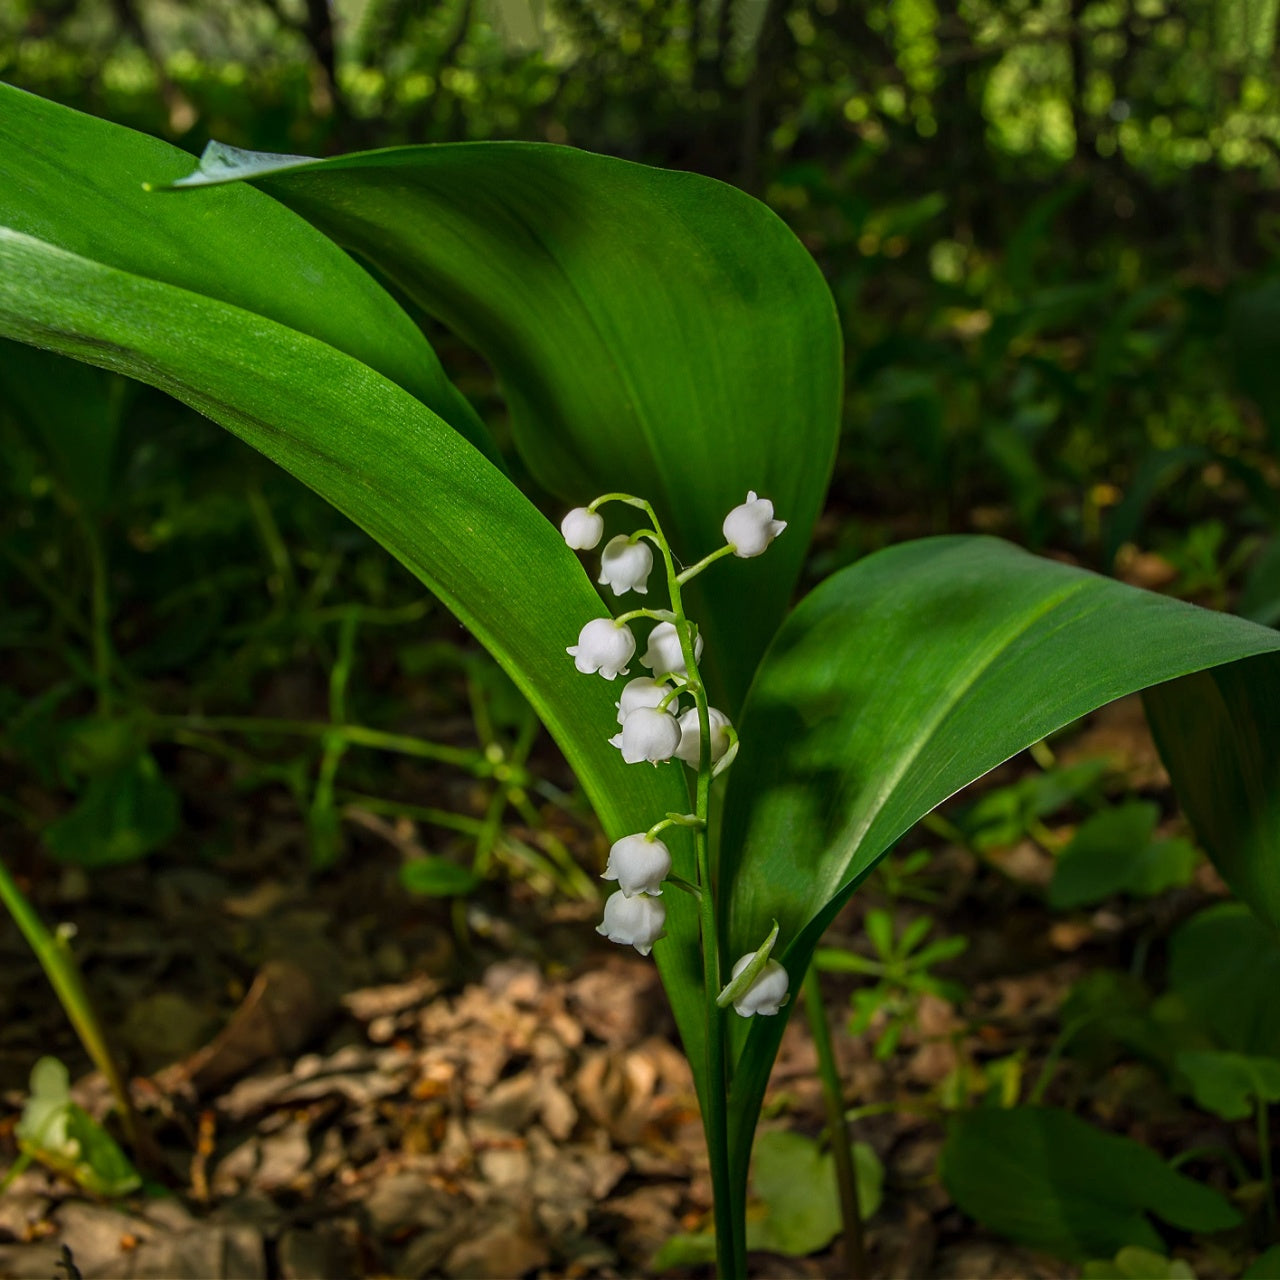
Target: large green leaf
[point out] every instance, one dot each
(655, 332)
(397, 470)
(1219, 736)
(897, 682)
(77, 182)
(1044, 1178)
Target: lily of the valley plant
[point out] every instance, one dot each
(659, 333)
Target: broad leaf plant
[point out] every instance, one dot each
(656, 334)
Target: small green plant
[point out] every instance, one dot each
(901, 969)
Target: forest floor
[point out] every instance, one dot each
(340, 1083)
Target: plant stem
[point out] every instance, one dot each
(64, 976)
(855, 1252)
(694, 569)
(729, 1264)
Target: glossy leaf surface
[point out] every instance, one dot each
(77, 182)
(896, 683)
(655, 332)
(400, 472)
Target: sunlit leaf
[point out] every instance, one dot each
(653, 331)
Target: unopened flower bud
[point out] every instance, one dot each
(638, 864)
(647, 734)
(604, 646)
(767, 994)
(636, 922)
(582, 529)
(642, 692)
(664, 655)
(691, 736)
(626, 565)
(751, 526)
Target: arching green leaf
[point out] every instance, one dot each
(655, 332)
(402, 474)
(899, 681)
(77, 182)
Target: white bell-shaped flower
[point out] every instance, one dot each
(691, 736)
(642, 692)
(767, 994)
(751, 526)
(626, 565)
(634, 922)
(647, 734)
(582, 529)
(664, 655)
(639, 864)
(604, 646)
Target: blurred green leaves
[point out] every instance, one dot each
(1044, 1178)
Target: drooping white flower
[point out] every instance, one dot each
(750, 527)
(642, 692)
(625, 566)
(582, 529)
(604, 646)
(639, 864)
(663, 655)
(767, 994)
(636, 922)
(647, 734)
(691, 735)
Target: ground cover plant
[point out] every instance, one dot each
(893, 684)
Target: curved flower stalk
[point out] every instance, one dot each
(654, 729)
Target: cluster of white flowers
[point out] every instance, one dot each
(653, 727)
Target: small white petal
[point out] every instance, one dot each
(642, 692)
(691, 736)
(603, 646)
(767, 994)
(638, 864)
(649, 734)
(635, 922)
(751, 527)
(664, 655)
(625, 566)
(582, 529)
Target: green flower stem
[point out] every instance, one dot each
(681, 883)
(855, 1253)
(658, 615)
(694, 569)
(60, 968)
(730, 1225)
(675, 820)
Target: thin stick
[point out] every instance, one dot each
(855, 1251)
